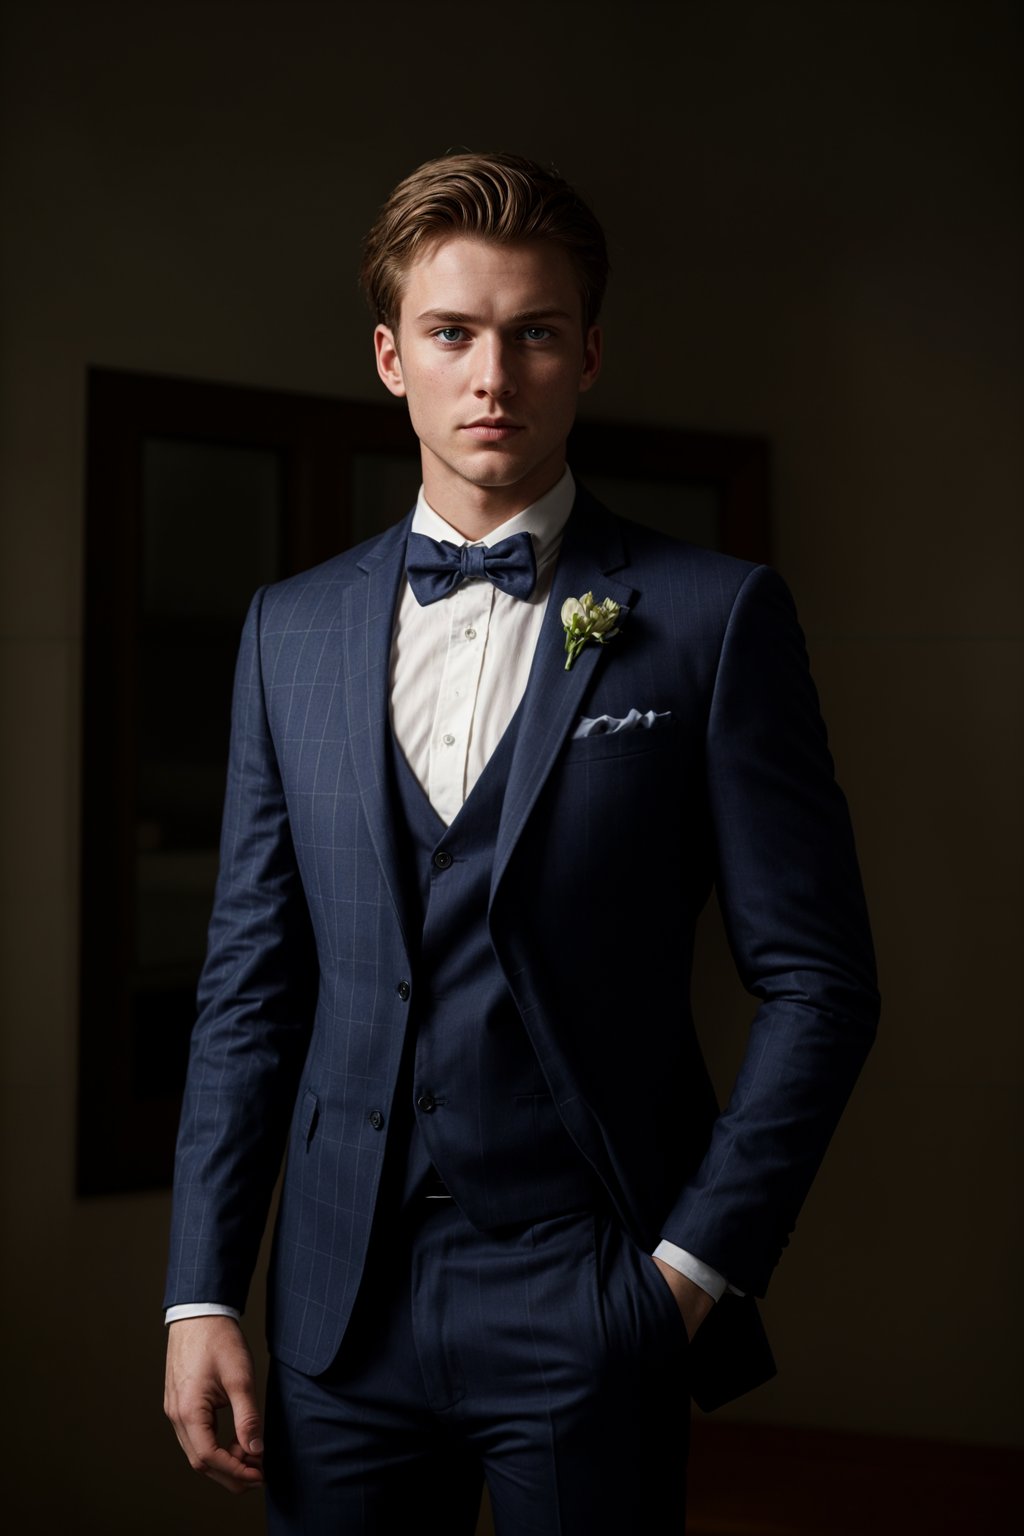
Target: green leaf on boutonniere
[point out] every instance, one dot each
(583, 620)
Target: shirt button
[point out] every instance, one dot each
(448, 740)
(376, 1119)
(471, 633)
(442, 859)
(427, 1103)
(404, 991)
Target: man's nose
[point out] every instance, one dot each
(495, 373)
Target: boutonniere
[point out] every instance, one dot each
(583, 620)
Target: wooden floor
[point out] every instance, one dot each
(749, 1480)
(754, 1480)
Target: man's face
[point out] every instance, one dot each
(491, 356)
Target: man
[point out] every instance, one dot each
(464, 851)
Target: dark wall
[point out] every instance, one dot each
(815, 218)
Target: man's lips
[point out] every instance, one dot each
(495, 429)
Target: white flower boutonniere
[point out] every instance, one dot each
(583, 620)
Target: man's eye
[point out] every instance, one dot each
(537, 333)
(450, 333)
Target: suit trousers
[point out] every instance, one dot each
(549, 1359)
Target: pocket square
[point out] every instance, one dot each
(608, 725)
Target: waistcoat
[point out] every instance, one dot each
(472, 1100)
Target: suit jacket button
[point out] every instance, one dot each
(404, 991)
(376, 1119)
(427, 1103)
(442, 859)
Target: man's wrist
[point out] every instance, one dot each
(693, 1268)
(693, 1302)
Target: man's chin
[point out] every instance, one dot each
(498, 470)
(501, 469)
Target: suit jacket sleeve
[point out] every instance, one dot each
(791, 897)
(256, 999)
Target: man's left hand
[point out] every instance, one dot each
(694, 1303)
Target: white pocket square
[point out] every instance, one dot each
(608, 725)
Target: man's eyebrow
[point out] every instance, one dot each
(521, 317)
(449, 316)
(525, 316)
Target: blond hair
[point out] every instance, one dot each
(499, 197)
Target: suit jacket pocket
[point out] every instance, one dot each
(663, 737)
(310, 1116)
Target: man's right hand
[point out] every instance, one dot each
(209, 1367)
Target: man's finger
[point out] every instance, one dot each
(226, 1467)
(195, 1426)
(246, 1416)
(248, 1458)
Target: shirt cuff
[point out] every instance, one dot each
(695, 1269)
(199, 1309)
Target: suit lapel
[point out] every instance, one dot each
(367, 619)
(591, 549)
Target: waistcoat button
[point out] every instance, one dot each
(376, 1119)
(427, 1103)
(442, 859)
(404, 991)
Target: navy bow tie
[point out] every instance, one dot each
(436, 569)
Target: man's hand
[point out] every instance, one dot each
(209, 1367)
(694, 1303)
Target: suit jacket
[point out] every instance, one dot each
(607, 849)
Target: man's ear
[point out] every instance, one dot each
(389, 364)
(591, 357)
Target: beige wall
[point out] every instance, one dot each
(816, 227)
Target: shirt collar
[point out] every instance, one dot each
(545, 521)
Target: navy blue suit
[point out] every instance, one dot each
(605, 852)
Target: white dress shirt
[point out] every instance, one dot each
(459, 669)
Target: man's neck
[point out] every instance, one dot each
(474, 511)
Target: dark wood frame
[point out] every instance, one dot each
(123, 1142)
